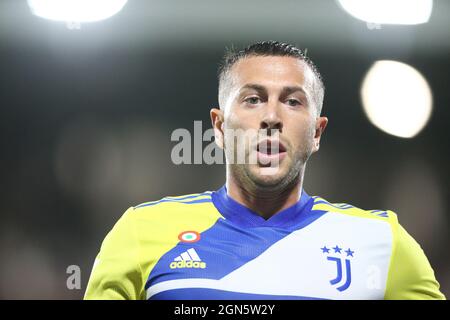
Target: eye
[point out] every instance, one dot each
(253, 100)
(293, 102)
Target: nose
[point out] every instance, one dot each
(271, 119)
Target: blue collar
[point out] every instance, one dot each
(241, 215)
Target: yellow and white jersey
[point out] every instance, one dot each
(208, 246)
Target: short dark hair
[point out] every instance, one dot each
(270, 48)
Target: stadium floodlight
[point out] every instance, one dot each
(76, 11)
(389, 11)
(396, 98)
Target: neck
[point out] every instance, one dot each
(265, 201)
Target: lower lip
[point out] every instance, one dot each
(267, 159)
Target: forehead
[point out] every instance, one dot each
(271, 72)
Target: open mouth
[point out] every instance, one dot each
(270, 147)
(270, 153)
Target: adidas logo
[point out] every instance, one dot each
(188, 259)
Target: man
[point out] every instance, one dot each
(261, 236)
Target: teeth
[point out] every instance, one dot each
(268, 148)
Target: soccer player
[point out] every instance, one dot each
(261, 236)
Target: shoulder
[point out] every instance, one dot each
(193, 198)
(162, 221)
(350, 210)
(411, 275)
(173, 205)
(165, 218)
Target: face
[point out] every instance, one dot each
(272, 96)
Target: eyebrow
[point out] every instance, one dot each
(293, 89)
(255, 87)
(284, 91)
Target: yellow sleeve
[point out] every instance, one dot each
(411, 276)
(116, 273)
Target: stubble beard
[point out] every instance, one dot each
(247, 174)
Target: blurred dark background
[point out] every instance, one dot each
(87, 114)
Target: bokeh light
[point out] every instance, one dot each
(389, 11)
(76, 10)
(396, 98)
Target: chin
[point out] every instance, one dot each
(268, 177)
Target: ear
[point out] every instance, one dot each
(321, 124)
(217, 123)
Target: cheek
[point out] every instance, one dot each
(301, 134)
(240, 120)
(232, 121)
